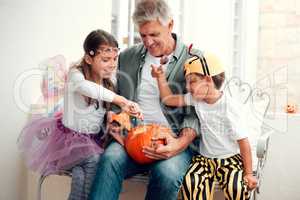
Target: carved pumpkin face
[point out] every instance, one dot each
(141, 136)
(123, 119)
(291, 108)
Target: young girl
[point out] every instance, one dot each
(225, 154)
(71, 142)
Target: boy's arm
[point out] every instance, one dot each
(246, 155)
(166, 95)
(245, 151)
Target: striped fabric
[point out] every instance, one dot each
(203, 173)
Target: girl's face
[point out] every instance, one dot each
(198, 86)
(105, 61)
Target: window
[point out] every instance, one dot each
(123, 28)
(227, 28)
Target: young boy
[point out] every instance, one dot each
(224, 152)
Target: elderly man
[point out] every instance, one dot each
(155, 25)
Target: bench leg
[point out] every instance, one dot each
(40, 183)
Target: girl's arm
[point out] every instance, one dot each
(96, 91)
(245, 151)
(128, 106)
(166, 94)
(77, 83)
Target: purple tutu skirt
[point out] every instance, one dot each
(49, 146)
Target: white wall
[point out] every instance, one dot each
(208, 25)
(279, 55)
(280, 178)
(30, 32)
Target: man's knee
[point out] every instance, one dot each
(167, 174)
(172, 171)
(114, 153)
(113, 160)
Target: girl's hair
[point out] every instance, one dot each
(150, 10)
(91, 44)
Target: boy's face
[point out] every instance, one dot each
(198, 86)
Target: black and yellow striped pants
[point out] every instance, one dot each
(203, 173)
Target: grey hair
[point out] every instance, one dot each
(150, 10)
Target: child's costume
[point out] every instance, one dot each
(222, 125)
(71, 141)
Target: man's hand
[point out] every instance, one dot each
(172, 145)
(158, 151)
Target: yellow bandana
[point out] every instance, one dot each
(207, 64)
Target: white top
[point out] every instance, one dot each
(78, 115)
(222, 124)
(148, 93)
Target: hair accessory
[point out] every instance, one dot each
(92, 53)
(105, 49)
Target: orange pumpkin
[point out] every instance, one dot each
(141, 136)
(291, 108)
(123, 119)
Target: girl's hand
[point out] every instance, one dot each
(157, 71)
(128, 106)
(250, 181)
(133, 109)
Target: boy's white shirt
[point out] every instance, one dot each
(222, 124)
(78, 115)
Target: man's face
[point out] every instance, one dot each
(155, 37)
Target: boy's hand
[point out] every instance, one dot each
(157, 71)
(250, 181)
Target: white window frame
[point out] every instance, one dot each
(244, 40)
(245, 44)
